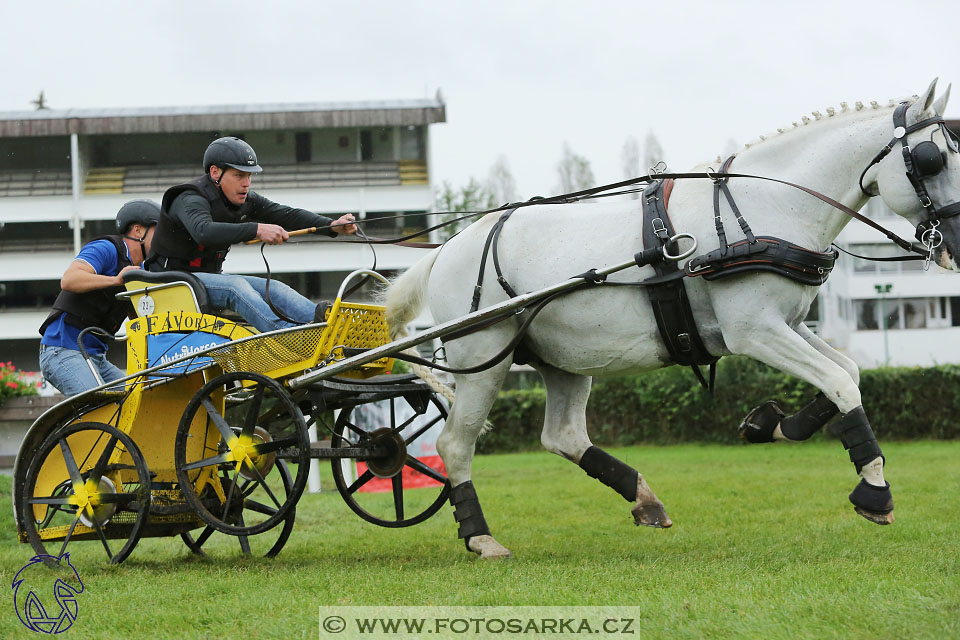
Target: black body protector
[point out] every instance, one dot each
(173, 246)
(97, 308)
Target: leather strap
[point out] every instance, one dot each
(666, 291)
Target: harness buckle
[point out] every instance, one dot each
(712, 174)
(925, 201)
(659, 229)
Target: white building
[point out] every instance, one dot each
(889, 313)
(64, 175)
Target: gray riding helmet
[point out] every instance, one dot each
(231, 152)
(145, 212)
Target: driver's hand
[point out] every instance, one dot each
(271, 233)
(344, 224)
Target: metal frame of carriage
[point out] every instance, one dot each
(212, 437)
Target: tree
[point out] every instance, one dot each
(653, 153)
(451, 201)
(500, 183)
(574, 171)
(630, 160)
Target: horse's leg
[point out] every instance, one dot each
(456, 446)
(565, 434)
(768, 423)
(779, 346)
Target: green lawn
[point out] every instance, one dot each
(765, 544)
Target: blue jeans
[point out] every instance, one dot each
(245, 295)
(66, 369)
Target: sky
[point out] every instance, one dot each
(520, 78)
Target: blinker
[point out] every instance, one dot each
(928, 160)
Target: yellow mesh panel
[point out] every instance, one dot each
(358, 326)
(272, 353)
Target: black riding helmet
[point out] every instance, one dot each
(145, 212)
(231, 152)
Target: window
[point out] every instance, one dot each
(866, 312)
(914, 313)
(906, 313)
(301, 143)
(366, 144)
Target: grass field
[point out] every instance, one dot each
(764, 545)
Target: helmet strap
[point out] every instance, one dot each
(143, 248)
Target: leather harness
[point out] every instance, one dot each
(666, 289)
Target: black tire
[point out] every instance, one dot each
(373, 508)
(81, 452)
(202, 451)
(253, 545)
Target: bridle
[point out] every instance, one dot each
(925, 160)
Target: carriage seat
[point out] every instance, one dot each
(157, 292)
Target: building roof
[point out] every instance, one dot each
(303, 115)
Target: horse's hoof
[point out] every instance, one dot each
(651, 515)
(872, 502)
(878, 518)
(758, 426)
(488, 548)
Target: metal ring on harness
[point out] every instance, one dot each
(932, 238)
(685, 254)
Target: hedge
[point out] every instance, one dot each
(669, 406)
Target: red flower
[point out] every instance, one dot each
(12, 385)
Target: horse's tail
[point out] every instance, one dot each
(404, 299)
(405, 296)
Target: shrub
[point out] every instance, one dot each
(669, 406)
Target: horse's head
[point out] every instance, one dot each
(918, 175)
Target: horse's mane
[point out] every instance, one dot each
(831, 112)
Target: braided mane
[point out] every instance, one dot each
(830, 112)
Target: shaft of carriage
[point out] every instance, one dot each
(464, 322)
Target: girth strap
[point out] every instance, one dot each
(666, 290)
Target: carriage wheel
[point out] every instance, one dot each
(232, 432)
(88, 481)
(378, 495)
(253, 545)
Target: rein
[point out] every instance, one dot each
(575, 196)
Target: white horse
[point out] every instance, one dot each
(597, 331)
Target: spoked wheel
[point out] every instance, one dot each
(384, 493)
(269, 543)
(230, 437)
(88, 481)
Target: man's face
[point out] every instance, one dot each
(234, 183)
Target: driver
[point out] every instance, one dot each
(200, 219)
(87, 300)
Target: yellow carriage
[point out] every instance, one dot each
(205, 433)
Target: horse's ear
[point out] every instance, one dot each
(926, 99)
(940, 105)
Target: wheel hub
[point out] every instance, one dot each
(262, 461)
(90, 502)
(392, 462)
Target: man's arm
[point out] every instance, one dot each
(80, 277)
(93, 268)
(290, 218)
(193, 212)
